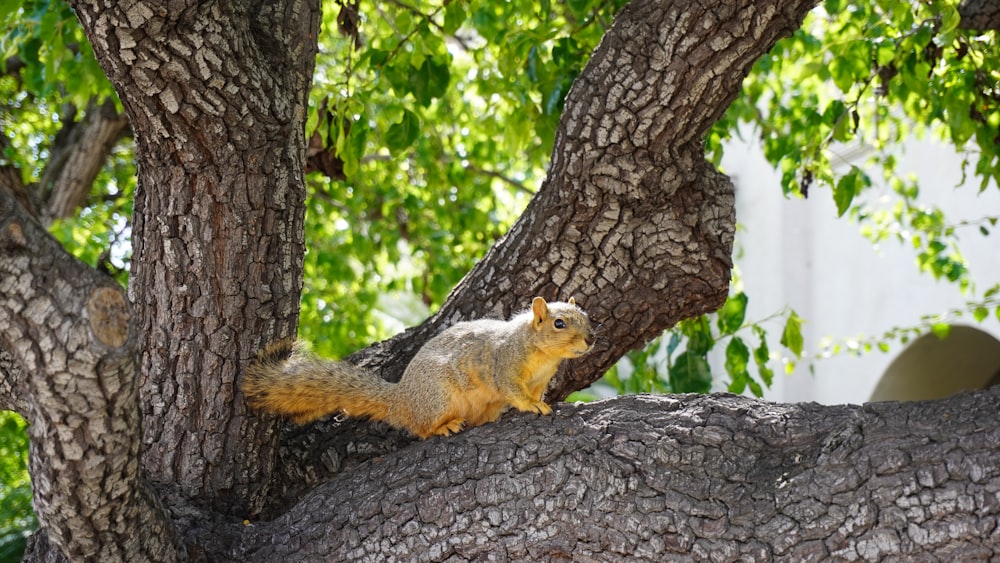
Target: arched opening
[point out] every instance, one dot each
(934, 368)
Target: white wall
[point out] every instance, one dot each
(797, 252)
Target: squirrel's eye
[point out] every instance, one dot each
(560, 323)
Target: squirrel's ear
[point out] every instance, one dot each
(572, 301)
(540, 309)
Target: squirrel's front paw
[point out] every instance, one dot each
(542, 408)
(527, 404)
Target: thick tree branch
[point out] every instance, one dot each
(979, 15)
(670, 478)
(67, 330)
(631, 220)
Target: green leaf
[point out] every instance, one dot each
(401, 135)
(531, 67)
(690, 373)
(737, 360)
(737, 384)
(950, 18)
(404, 22)
(732, 313)
(455, 15)
(354, 149)
(429, 81)
(980, 314)
(847, 187)
(941, 330)
(698, 331)
(761, 357)
(885, 52)
(791, 336)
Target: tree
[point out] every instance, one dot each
(631, 219)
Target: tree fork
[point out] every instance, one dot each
(631, 220)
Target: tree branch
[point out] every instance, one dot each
(979, 15)
(655, 478)
(631, 220)
(66, 328)
(77, 156)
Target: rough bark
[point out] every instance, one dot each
(217, 96)
(980, 15)
(67, 330)
(643, 478)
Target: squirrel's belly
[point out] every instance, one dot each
(477, 405)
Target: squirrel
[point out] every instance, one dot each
(465, 376)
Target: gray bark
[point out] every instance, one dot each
(67, 329)
(979, 15)
(217, 97)
(683, 478)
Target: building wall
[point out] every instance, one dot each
(797, 252)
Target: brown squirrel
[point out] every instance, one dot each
(465, 376)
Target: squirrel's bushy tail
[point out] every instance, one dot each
(289, 381)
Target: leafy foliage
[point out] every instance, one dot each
(16, 517)
(873, 73)
(54, 58)
(867, 76)
(681, 360)
(937, 323)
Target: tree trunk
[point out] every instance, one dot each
(631, 220)
(217, 95)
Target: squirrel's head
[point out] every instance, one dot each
(565, 326)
